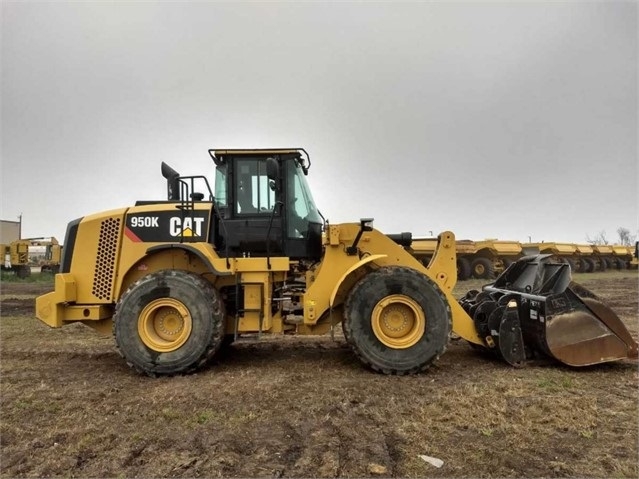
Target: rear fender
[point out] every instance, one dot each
(187, 257)
(194, 251)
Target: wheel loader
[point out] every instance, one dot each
(177, 280)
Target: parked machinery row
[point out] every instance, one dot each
(489, 258)
(20, 255)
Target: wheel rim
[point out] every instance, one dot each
(479, 269)
(398, 321)
(164, 325)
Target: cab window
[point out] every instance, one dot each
(252, 192)
(220, 186)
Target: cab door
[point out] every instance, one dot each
(253, 223)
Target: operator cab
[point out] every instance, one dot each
(265, 206)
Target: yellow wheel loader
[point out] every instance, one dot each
(177, 280)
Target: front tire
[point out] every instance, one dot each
(397, 320)
(169, 322)
(463, 269)
(483, 268)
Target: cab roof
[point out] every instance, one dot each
(260, 151)
(218, 156)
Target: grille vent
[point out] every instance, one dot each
(105, 259)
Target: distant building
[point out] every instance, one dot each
(9, 231)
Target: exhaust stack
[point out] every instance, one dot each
(172, 182)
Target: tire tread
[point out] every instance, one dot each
(369, 282)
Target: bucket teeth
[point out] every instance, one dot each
(534, 308)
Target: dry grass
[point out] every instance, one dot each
(300, 407)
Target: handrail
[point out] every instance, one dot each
(268, 234)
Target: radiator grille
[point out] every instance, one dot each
(105, 259)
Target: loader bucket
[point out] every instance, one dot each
(533, 308)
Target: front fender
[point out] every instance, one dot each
(353, 268)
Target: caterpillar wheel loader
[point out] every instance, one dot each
(177, 280)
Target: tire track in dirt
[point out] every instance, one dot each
(17, 307)
(333, 447)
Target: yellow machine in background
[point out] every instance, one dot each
(177, 280)
(49, 259)
(634, 262)
(475, 259)
(6, 256)
(586, 258)
(18, 256)
(491, 257)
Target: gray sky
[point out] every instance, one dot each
(489, 119)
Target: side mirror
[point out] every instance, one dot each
(366, 224)
(272, 169)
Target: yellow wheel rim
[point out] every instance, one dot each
(398, 321)
(479, 269)
(164, 325)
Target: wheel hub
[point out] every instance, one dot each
(168, 323)
(164, 324)
(398, 321)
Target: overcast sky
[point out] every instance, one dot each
(501, 120)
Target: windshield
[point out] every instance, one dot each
(303, 205)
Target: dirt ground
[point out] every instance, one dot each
(305, 407)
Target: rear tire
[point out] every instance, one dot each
(588, 265)
(23, 271)
(169, 322)
(397, 320)
(621, 264)
(463, 269)
(483, 268)
(602, 266)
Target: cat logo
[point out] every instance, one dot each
(187, 227)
